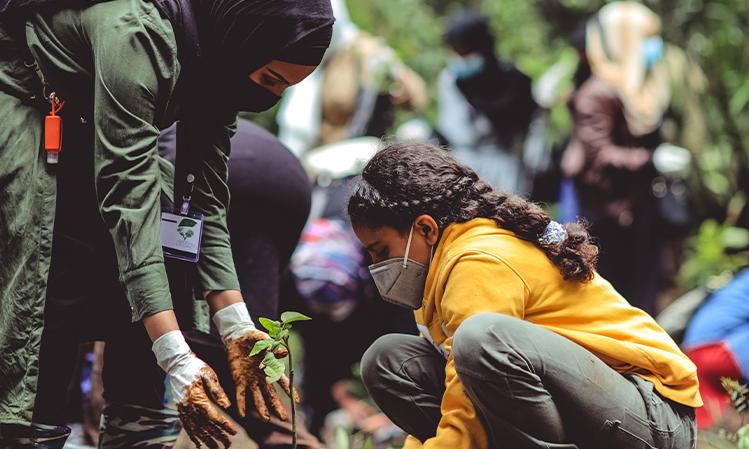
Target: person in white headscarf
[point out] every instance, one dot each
(617, 115)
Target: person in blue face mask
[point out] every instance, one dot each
(485, 104)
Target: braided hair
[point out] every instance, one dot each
(405, 180)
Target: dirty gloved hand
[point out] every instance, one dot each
(240, 335)
(188, 377)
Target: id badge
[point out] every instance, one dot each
(181, 233)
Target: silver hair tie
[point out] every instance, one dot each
(554, 234)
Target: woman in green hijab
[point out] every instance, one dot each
(126, 69)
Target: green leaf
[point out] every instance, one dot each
(341, 438)
(260, 346)
(273, 368)
(282, 334)
(739, 99)
(272, 326)
(368, 443)
(290, 317)
(743, 435)
(735, 237)
(187, 222)
(275, 347)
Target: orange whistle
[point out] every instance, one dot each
(53, 133)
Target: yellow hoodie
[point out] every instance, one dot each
(480, 267)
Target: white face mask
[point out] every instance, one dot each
(401, 281)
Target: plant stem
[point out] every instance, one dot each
(291, 396)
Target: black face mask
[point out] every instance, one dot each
(245, 95)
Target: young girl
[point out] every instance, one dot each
(524, 345)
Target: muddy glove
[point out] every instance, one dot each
(187, 376)
(239, 335)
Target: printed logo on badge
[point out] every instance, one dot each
(181, 234)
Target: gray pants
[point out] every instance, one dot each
(531, 387)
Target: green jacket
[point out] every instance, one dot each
(117, 62)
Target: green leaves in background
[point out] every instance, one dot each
(737, 391)
(717, 250)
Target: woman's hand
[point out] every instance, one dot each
(240, 335)
(249, 377)
(188, 377)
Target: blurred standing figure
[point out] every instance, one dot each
(617, 114)
(485, 104)
(352, 94)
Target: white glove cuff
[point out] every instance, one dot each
(170, 348)
(233, 319)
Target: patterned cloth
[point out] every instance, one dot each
(131, 426)
(327, 267)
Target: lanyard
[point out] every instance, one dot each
(181, 229)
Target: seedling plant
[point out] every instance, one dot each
(274, 369)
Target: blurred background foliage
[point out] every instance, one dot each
(535, 35)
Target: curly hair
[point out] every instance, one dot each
(405, 180)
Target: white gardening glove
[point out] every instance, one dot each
(188, 375)
(240, 335)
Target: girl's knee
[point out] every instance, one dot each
(380, 358)
(482, 329)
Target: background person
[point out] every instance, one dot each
(617, 114)
(232, 56)
(355, 92)
(524, 344)
(485, 105)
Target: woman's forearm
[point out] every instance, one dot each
(160, 323)
(218, 299)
